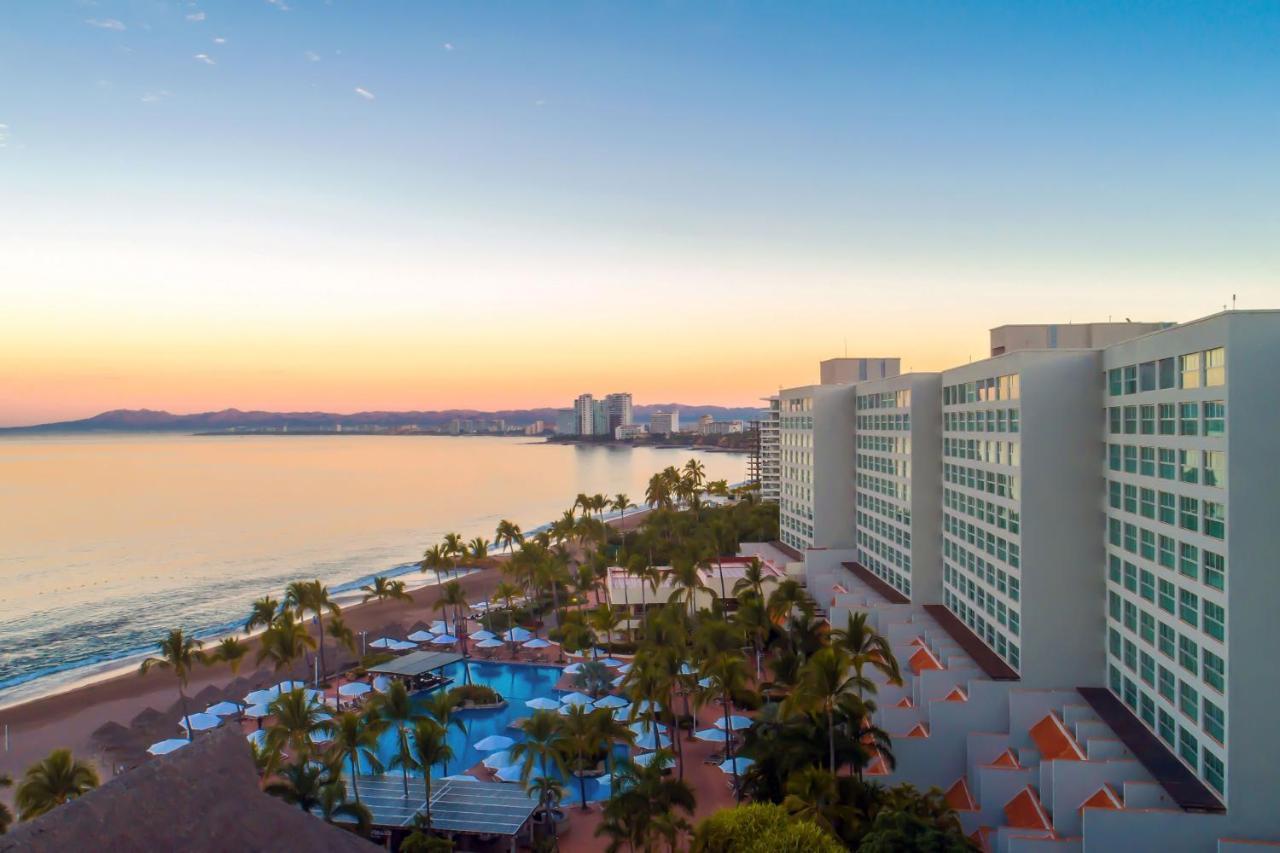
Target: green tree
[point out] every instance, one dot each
(478, 548)
(643, 796)
(312, 596)
(867, 647)
(435, 559)
(508, 535)
(355, 736)
(178, 653)
(285, 641)
(442, 707)
(231, 651)
(334, 805)
(299, 784)
(824, 681)
(263, 613)
(6, 816)
(813, 794)
(542, 746)
(52, 781)
(297, 718)
(578, 740)
(760, 828)
(383, 588)
(396, 709)
(430, 747)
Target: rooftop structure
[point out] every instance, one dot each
(846, 371)
(1006, 339)
(457, 805)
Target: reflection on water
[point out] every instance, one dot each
(108, 541)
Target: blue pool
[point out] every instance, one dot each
(517, 683)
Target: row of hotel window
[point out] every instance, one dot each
(1159, 635)
(898, 489)
(988, 420)
(1000, 485)
(983, 450)
(983, 600)
(886, 573)
(884, 443)
(1207, 467)
(1205, 369)
(982, 390)
(1159, 548)
(795, 541)
(883, 422)
(1165, 593)
(884, 400)
(1178, 737)
(983, 510)
(884, 550)
(891, 511)
(889, 532)
(1175, 510)
(993, 576)
(980, 626)
(883, 465)
(1169, 419)
(994, 546)
(799, 422)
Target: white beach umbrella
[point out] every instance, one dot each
(536, 643)
(403, 645)
(644, 706)
(647, 758)
(711, 735)
(576, 699)
(498, 760)
(381, 643)
(617, 682)
(438, 627)
(260, 697)
(642, 726)
(257, 711)
(444, 640)
(610, 662)
(493, 742)
(649, 740)
(685, 669)
(354, 688)
(321, 736)
(625, 668)
(509, 774)
(736, 723)
(165, 747)
(314, 695)
(257, 738)
(381, 683)
(223, 709)
(739, 764)
(490, 644)
(542, 703)
(517, 635)
(572, 669)
(484, 635)
(421, 636)
(201, 722)
(704, 683)
(611, 701)
(289, 686)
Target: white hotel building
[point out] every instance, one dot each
(1072, 547)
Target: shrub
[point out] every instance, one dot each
(476, 694)
(760, 828)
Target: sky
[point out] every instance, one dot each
(295, 204)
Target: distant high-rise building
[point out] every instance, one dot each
(566, 422)
(600, 418)
(619, 406)
(585, 410)
(770, 450)
(664, 423)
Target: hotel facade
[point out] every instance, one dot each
(1072, 546)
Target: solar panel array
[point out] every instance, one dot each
(482, 808)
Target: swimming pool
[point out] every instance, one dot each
(517, 683)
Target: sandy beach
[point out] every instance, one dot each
(70, 719)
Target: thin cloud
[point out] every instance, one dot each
(312, 56)
(366, 94)
(279, 4)
(205, 58)
(196, 17)
(4, 135)
(448, 45)
(106, 24)
(155, 97)
(219, 40)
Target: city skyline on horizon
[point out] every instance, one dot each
(311, 206)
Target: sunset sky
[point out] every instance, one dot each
(373, 205)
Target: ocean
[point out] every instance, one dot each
(109, 541)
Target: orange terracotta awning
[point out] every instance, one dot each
(956, 695)
(1103, 798)
(923, 659)
(960, 798)
(905, 702)
(918, 730)
(1025, 812)
(1006, 759)
(982, 837)
(1054, 741)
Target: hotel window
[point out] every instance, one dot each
(1188, 701)
(1130, 498)
(1168, 557)
(1189, 466)
(1131, 379)
(1215, 620)
(1166, 726)
(1215, 570)
(1113, 605)
(1215, 468)
(1189, 418)
(1215, 367)
(1168, 374)
(1215, 417)
(1167, 602)
(1148, 503)
(1130, 694)
(1215, 519)
(1189, 607)
(1113, 567)
(1189, 655)
(1113, 457)
(1148, 709)
(1131, 616)
(1147, 461)
(1147, 419)
(1189, 367)
(1167, 644)
(1168, 419)
(1147, 669)
(1215, 671)
(1187, 746)
(1168, 684)
(1131, 538)
(1147, 628)
(1115, 386)
(1147, 585)
(1187, 559)
(1113, 416)
(1168, 464)
(1168, 507)
(1147, 376)
(1130, 420)
(1147, 543)
(1130, 459)
(1188, 513)
(1214, 771)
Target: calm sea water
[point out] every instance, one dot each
(106, 542)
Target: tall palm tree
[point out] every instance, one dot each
(435, 559)
(341, 633)
(695, 472)
(355, 736)
(6, 816)
(397, 710)
(542, 743)
(231, 651)
(507, 535)
(579, 740)
(605, 620)
(179, 653)
(643, 795)
(609, 730)
(383, 588)
(455, 547)
(334, 804)
(813, 794)
(313, 596)
(752, 579)
(686, 576)
(285, 641)
(620, 504)
(263, 613)
(658, 492)
(723, 539)
(297, 718)
(726, 679)
(478, 548)
(441, 707)
(299, 784)
(824, 681)
(430, 747)
(867, 646)
(52, 781)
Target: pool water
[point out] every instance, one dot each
(517, 683)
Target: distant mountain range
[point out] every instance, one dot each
(148, 420)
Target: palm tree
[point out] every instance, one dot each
(752, 579)
(430, 747)
(726, 677)
(605, 620)
(642, 796)
(52, 781)
(866, 646)
(579, 739)
(180, 653)
(542, 744)
(342, 633)
(724, 539)
(434, 558)
(441, 706)
(813, 794)
(658, 492)
(297, 718)
(396, 709)
(285, 641)
(478, 548)
(334, 804)
(6, 816)
(355, 736)
(453, 595)
(263, 613)
(507, 535)
(231, 651)
(824, 681)
(382, 588)
(454, 547)
(299, 784)
(609, 730)
(312, 596)
(620, 504)
(686, 576)
(695, 473)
